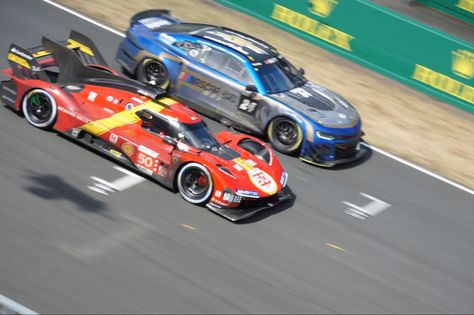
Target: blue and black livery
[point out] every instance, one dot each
(243, 82)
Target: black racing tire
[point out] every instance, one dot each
(39, 108)
(195, 183)
(153, 70)
(285, 135)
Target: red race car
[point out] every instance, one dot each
(68, 87)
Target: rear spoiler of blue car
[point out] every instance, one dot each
(154, 19)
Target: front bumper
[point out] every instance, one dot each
(312, 156)
(248, 208)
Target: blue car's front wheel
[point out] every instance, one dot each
(285, 135)
(152, 70)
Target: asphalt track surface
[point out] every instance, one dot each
(67, 249)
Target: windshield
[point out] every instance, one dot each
(197, 135)
(278, 75)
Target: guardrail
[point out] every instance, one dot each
(8, 306)
(382, 40)
(460, 9)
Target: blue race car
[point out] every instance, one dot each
(244, 83)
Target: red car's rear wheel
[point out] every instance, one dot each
(39, 108)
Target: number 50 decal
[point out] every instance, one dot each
(145, 160)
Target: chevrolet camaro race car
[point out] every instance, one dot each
(68, 87)
(243, 82)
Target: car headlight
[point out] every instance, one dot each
(325, 136)
(230, 197)
(283, 178)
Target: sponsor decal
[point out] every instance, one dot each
(247, 193)
(259, 178)
(251, 162)
(154, 22)
(463, 63)
(467, 5)
(73, 114)
(312, 27)
(136, 99)
(145, 170)
(247, 105)
(163, 171)
(148, 151)
(113, 138)
(127, 148)
(108, 110)
(263, 181)
(147, 162)
(129, 106)
(322, 8)
(218, 193)
(116, 153)
(444, 83)
(92, 95)
(218, 203)
(20, 53)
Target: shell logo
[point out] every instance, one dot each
(263, 181)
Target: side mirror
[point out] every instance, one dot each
(171, 141)
(251, 88)
(301, 71)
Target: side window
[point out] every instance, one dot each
(154, 123)
(216, 60)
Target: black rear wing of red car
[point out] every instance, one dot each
(28, 63)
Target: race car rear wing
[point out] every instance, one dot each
(154, 19)
(27, 63)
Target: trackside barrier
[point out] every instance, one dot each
(460, 9)
(8, 306)
(394, 45)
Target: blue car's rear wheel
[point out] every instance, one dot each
(152, 70)
(285, 135)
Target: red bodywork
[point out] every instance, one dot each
(101, 112)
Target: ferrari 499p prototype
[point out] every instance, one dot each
(242, 81)
(68, 87)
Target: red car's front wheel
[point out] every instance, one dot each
(195, 183)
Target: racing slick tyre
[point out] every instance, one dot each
(39, 108)
(195, 183)
(153, 70)
(285, 135)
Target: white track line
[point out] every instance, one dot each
(394, 157)
(8, 306)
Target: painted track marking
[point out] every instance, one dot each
(335, 247)
(389, 155)
(8, 306)
(187, 226)
(104, 187)
(374, 207)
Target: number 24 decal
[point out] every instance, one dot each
(247, 105)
